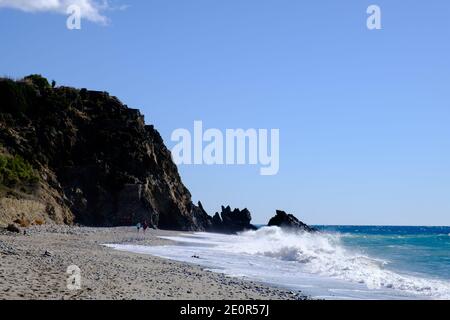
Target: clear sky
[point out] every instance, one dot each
(363, 115)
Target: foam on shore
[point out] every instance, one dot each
(318, 264)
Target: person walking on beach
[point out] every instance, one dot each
(138, 226)
(145, 226)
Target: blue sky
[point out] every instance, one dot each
(363, 115)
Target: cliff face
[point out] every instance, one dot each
(96, 160)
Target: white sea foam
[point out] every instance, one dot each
(317, 264)
(325, 255)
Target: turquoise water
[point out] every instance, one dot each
(414, 250)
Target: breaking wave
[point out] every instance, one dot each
(324, 254)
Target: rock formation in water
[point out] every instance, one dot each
(284, 220)
(81, 156)
(232, 221)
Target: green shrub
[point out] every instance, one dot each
(14, 170)
(38, 80)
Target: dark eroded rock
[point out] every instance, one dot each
(232, 221)
(284, 220)
(13, 228)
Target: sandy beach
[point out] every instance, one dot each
(33, 266)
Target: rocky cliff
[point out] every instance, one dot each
(90, 159)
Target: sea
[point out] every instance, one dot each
(338, 263)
